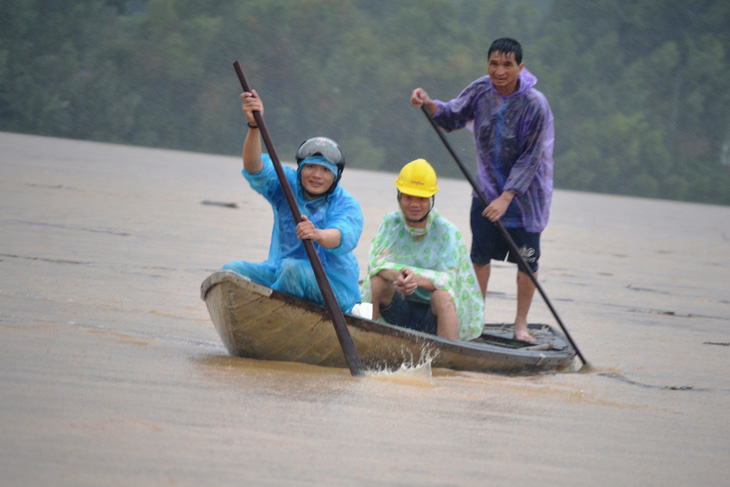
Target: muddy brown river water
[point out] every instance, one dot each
(111, 372)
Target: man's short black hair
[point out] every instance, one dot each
(506, 45)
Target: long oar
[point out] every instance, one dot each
(338, 319)
(510, 243)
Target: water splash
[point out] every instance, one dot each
(410, 371)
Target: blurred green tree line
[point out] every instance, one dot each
(638, 89)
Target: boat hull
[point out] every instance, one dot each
(257, 322)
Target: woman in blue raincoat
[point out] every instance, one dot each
(331, 218)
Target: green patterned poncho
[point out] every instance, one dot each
(437, 253)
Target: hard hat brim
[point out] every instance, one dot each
(421, 193)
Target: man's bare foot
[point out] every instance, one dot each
(523, 335)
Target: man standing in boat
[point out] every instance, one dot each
(419, 273)
(513, 133)
(331, 218)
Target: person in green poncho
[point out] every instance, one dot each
(420, 275)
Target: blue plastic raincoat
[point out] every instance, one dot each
(287, 268)
(514, 138)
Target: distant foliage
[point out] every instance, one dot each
(639, 90)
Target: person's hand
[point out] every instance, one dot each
(251, 103)
(306, 230)
(498, 207)
(419, 97)
(406, 283)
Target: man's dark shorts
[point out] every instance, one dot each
(410, 314)
(488, 244)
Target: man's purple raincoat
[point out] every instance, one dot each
(514, 138)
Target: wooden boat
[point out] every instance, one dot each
(257, 322)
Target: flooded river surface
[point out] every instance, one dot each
(111, 372)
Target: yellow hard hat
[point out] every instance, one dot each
(417, 178)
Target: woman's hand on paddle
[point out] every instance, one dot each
(306, 230)
(252, 145)
(251, 103)
(406, 282)
(328, 238)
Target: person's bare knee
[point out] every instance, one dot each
(440, 300)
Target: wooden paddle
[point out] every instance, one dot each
(338, 319)
(503, 231)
